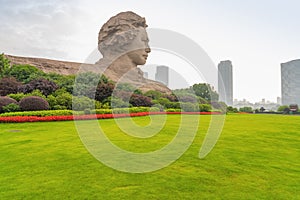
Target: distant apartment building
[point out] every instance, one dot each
(162, 74)
(290, 82)
(225, 83)
(146, 74)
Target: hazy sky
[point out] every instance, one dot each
(256, 35)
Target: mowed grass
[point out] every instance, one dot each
(256, 157)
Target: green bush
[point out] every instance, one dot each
(4, 101)
(282, 108)
(155, 109)
(103, 111)
(173, 110)
(63, 100)
(153, 94)
(59, 107)
(118, 103)
(82, 103)
(205, 107)
(190, 107)
(25, 73)
(17, 96)
(139, 109)
(246, 109)
(11, 108)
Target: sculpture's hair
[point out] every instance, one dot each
(118, 31)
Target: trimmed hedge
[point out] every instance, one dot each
(4, 101)
(33, 103)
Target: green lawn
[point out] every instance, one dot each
(256, 157)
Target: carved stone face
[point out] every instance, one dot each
(139, 48)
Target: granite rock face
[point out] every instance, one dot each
(46, 65)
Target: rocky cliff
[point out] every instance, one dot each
(47, 65)
(71, 68)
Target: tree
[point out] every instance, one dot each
(140, 100)
(246, 109)
(25, 73)
(9, 85)
(86, 84)
(103, 91)
(4, 65)
(43, 85)
(219, 106)
(82, 103)
(205, 91)
(231, 109)
(62, 81)
(281, 108)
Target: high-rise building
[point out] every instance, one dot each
(278, 100)
(162, 74)
(225, 86)
(146, 75)
(290, 82)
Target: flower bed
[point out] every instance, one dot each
(18, 119)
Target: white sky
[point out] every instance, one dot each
(255, 35)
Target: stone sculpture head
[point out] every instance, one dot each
(124, 35)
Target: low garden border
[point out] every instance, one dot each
(20, 119)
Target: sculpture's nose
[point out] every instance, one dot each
(148, 50)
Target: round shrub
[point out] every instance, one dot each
(12, 107)
(4, 101)
(33, 103)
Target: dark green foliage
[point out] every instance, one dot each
(11, 108)
(17, 96)
(4, 101)
(4, 65)
(153, 94)
(25, 73)
(231, 109)
(205, 107)
(66, 82)
(202, 100)
(82, 103)
(205, 91)
(123, 95)
(9, 85)
(246, 109)
(189, 107)
(86, 84)
(221, 106)
(60, 100)
(32, 103)
(118, 103)
(20, 96)
(282, 108)
(140, 100)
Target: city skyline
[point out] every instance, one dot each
(257, 36)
